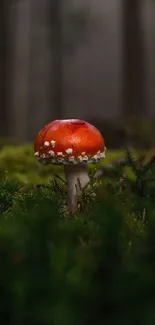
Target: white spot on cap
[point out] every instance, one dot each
(51, 153)
(85, 158)
(53, 143)
(69, 151)
(60, 159)
(43, 156)
(102, 155)
(36, 154)
(80, 158)
(71, 158)
(83, 153)
(46, 144)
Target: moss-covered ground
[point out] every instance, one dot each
(96, 267)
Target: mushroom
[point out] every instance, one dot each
(74, 144)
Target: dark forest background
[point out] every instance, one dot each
(75, 59)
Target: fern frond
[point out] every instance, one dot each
(148, 166)
(131, 161)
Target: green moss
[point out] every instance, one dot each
(19, 163)
(96, 267)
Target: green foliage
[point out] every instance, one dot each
(69, 271)
(20, 164)
(96, 267)
(48, 263)
(141, 186)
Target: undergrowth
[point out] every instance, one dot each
(96, 267)
(21, 165)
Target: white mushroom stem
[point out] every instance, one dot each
(74, 173)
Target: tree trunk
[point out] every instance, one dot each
(20, 12)
(39, 79)
(58, 57)
(134, 77)
(4, 48)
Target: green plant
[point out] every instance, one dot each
(21, 165)
(96, 267)
(141, 186)
(86, 269)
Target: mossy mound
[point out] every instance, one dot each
(19, 163)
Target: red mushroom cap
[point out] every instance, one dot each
(69, 141)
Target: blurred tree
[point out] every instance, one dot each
(69, 26)
(4, 7)
(134, 74)
(57, 53)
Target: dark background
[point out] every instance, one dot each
(92, 60)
